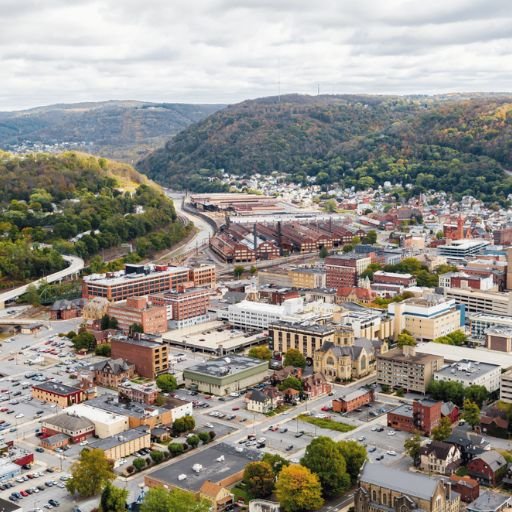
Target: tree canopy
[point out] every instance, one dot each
(294, 358)
(90, 473)
(298, 489)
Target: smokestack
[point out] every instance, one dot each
(255, 238)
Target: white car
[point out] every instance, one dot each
(391, 433)
(20, 415)
(83, 443)
(209, 425)
(391, 452)
(234, 395)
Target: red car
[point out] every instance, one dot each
(4, 409)
(24, 493)
(235, 408)
(326, 408)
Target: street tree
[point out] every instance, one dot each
(294, 358)
(159, 499)
(262, 352)
(354, 454)
(405, 339)
(471, 413)
(324, 458)
(298, 489)
(443, 429)
(477, 394)
(90, 473)
(238, 270)
(259, 479)
(276, 462)
(166, 382)
(290, 382)
(412, 447)
(113, 499)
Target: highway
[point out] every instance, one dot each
(76, 264)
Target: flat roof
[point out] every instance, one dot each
(209, 338)
(119, 439)
(56, 388)
(96, 414)
(453, 353)
(140, 343)
(122, 277)
(112, 404)
(467, 369)
(489, 501)
(397, 355)
(228, 365)
(212, 469)
(305, 326)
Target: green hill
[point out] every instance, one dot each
(125, 130)
(78, 204)
(459, 143)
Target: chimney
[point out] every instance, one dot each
(279, 238)
(255, 238)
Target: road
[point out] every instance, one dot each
(76, 264)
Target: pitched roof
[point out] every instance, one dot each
(493, 459)
(412, 484)
(440, 449)
(210, 489)
(69, 422)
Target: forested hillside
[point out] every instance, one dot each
(453, 143)
(78, 204)
(124, 130)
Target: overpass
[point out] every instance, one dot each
(76, 264)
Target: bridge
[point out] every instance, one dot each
(76, 264)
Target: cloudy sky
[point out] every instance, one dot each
(224, 51)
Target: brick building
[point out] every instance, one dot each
(112, 372)
(488, 468)
(184, 306)
(467, 487)
(353, 400)
(66, 309)
(59, 394)
(502, 236)
(138, 310)
(394, 278)
(143, 393)
(343, 270)
(422, 416)
(150, 358)
(76, 428)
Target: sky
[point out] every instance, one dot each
(225, 51)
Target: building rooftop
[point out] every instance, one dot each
(91, 412)
(119, 439)
(56, 388)
(397, 354)
(353, 395)
(69, 422)
(466, 369)
(8, 506)
(112, 404)
(121, 277)
(453, 353)
(420, 486)
(228, 365)
(308, 326)
(489, 501)
(211, 468)
(143, 342)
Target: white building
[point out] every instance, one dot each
(471, 373)
(479, 323)
(506, 387)
(106, 423)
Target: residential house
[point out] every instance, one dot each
(315, 385)
(440, 457)
(451, 411)
(494, 424)
(263, 400)
(488, 468)
(470, 444)
(112, 372)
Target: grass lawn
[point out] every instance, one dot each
(327, 423)
(240, 492)
(278, 410)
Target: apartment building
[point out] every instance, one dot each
(382, 487)
(185, 306)
(140, 280)
(343, 270)
(369, 323)
(471, 373)
(478, 301)
(426, 318)
(258, 315)
(307, 278)
(422, 416)
(138, 310)
(404, 368)
(145, 393)
(307, 337)
(150, 358)
(506, 386)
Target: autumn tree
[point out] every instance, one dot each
(262, 352)
(294, 358)
(259, 479)
(443, 429)
(290, 382)
(90, 473)
(471, 413)
(113, 499)
(354, 454)
(297, 489)
(323, 457)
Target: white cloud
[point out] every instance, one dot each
(229, 50)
